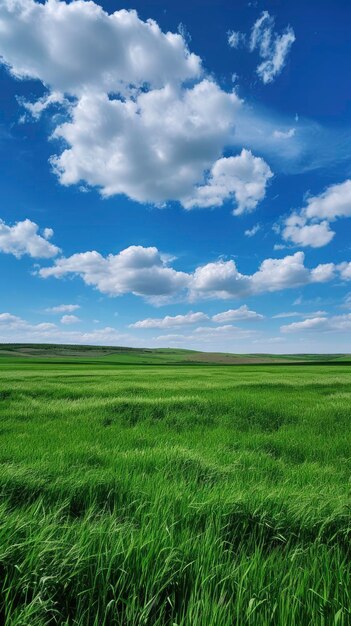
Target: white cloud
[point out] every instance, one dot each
(154, 148)
(261, 33)
(170, 321)
(17, 330)
(15, 323)
(14, 329)
(242, 313)
(298, 314)
(235, 38)
(78, 47)
(69, 319)
(275, 274)
(251, 232)
(146, 272)
(222, 279)
(320, 324)
(142, 271)
(37, 108)
(333, 203)
(23, 238)
(48, 233)
(272, 47)
(286, 314)
(63, 308)
(133, 126)
(345, 270)
(241, 179)
(323, 272)
(311, 226)
(8, 319)
(284, 134)
(303, 234)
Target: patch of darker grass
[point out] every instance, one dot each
(260, 418)
(193, 470)
(5, 394)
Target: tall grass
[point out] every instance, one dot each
(193, 496)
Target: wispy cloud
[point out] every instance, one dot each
(284, 134)
(272, 47)
(63, 308)
(251, 232)
(235, 38)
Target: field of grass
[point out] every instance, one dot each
(174, 496)
(148, 356)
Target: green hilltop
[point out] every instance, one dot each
(154, 356)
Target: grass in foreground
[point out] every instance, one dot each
(192, 496)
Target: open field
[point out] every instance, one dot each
(157, 356)
(178, 496)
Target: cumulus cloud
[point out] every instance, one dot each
(298, 231)
(320, 324)
(171, 321)
(15, 323)
(76, 47)
(153, 148)
(272, 47)
(242, 313)
(311, 226)
(23, 238)
(69, 319)
(142, 119)
(138, 270)
(146, 272)
(333, 203)
(63, 308)
(15, 329)
(241, 179)
(222, 279)
(324, 272)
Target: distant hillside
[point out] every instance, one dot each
(149, 356)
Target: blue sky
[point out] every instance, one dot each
(180, 182)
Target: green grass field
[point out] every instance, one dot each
(160, 356)
(179, 496)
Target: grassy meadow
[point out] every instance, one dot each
(180, 496)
